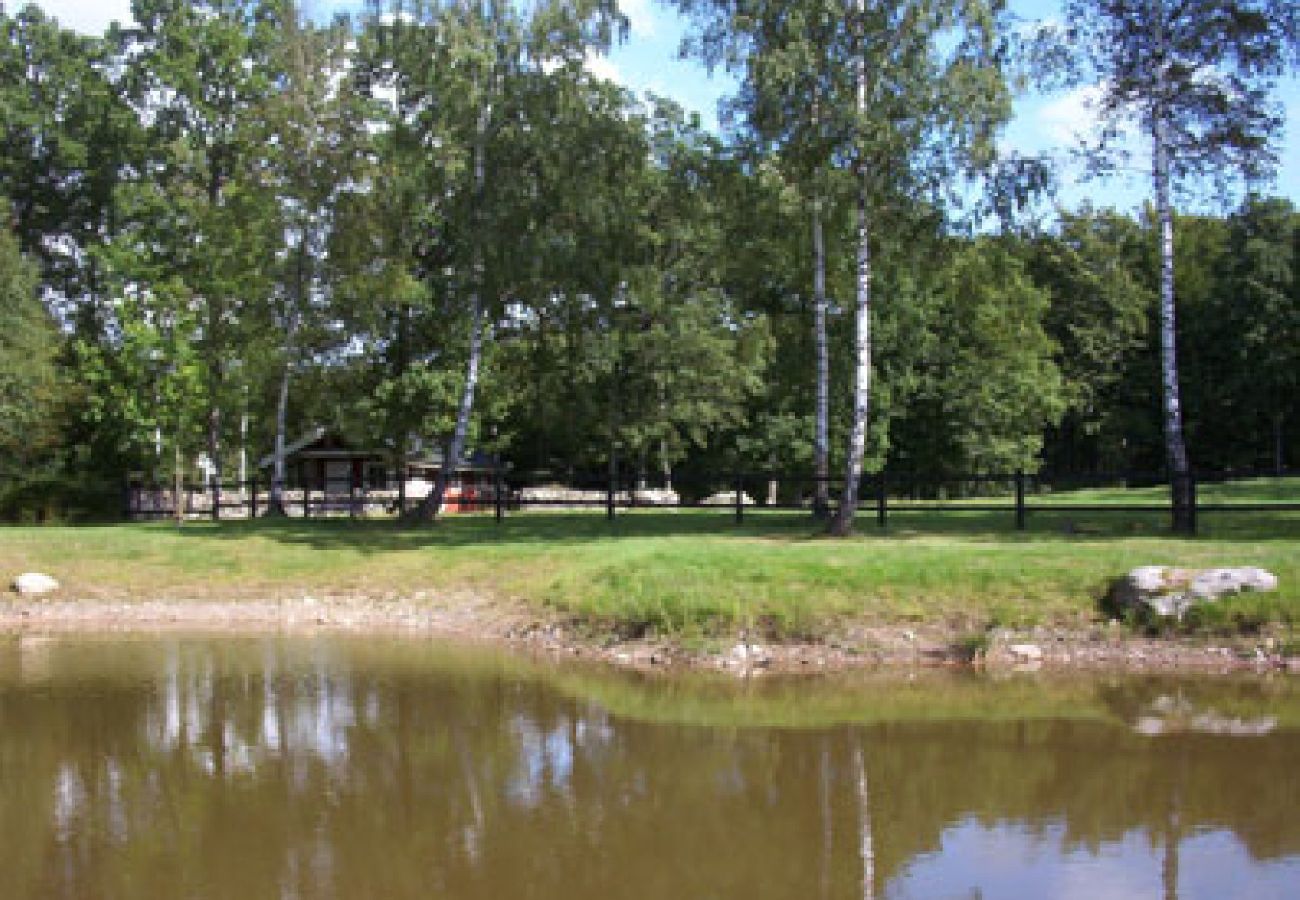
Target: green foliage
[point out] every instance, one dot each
(990, 384)
(225, 200)
(31, 393)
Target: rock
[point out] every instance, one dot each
(750, 655)
(31, 584)
(1212, 584)
(1026, 652)
(1169, 592)
(727, 498)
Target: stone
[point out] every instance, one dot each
(1169, 592)
(31, 584)
(751, 655)
(727, 498)
(1212, 584)
(1026, 652)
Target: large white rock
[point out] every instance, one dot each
(34, 583)
(1170, 592)
(1212, 584)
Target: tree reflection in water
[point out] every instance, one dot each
(344, 768)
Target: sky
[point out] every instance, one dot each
(648, 61)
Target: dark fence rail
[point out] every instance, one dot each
(501, 490)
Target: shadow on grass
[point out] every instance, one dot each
(557, 529)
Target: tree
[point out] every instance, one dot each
(199, 74)
(314, 139)
(1197, 77)
(462, 72)
(67, 136)
(988, 384)
(30, 393)
(903, 93)
(1263, 304)
(1093, 267)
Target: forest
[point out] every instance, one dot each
(429, 224)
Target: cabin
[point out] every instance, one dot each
(324, 461)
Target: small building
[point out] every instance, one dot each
(324, 461)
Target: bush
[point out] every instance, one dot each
(60, 498)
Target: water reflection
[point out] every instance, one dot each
(345, 768)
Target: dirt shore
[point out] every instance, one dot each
(1105, 647)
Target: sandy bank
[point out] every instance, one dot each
(519, 625)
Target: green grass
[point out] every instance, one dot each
(695, 573)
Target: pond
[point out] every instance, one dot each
(331, 767)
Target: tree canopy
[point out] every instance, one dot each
(432, 226)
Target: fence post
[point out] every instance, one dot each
(214, 489)
(882, 500)
(498, 490)
(1020, 500)
(306, 501)
(612, 486)
(1182, 486)
(352, 499)
(739, 484)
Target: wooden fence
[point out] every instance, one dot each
(1019, 495)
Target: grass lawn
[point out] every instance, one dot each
(695, 572)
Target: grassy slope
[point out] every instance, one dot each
(687, 572)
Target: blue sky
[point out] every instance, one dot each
(648, 61)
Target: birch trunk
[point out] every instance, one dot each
(178, 480)
(843, 523)
(214, 442)
(432, 504)
(216, 371)
(275, 505)
(1175, 447)
(821, 428)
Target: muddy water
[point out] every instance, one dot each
(321, 768)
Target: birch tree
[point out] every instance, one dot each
(314, 143)
(468, 88)
(198, 72)
(902, 93)
(1196, 76)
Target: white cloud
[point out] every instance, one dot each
(1073, 117)
(641, 16)
(87, 16)
(600, 66)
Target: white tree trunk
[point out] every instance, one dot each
(213, 487)
(432, 504)
(821, 428)
(843, 522)
(1175, 446)
(275, 505)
